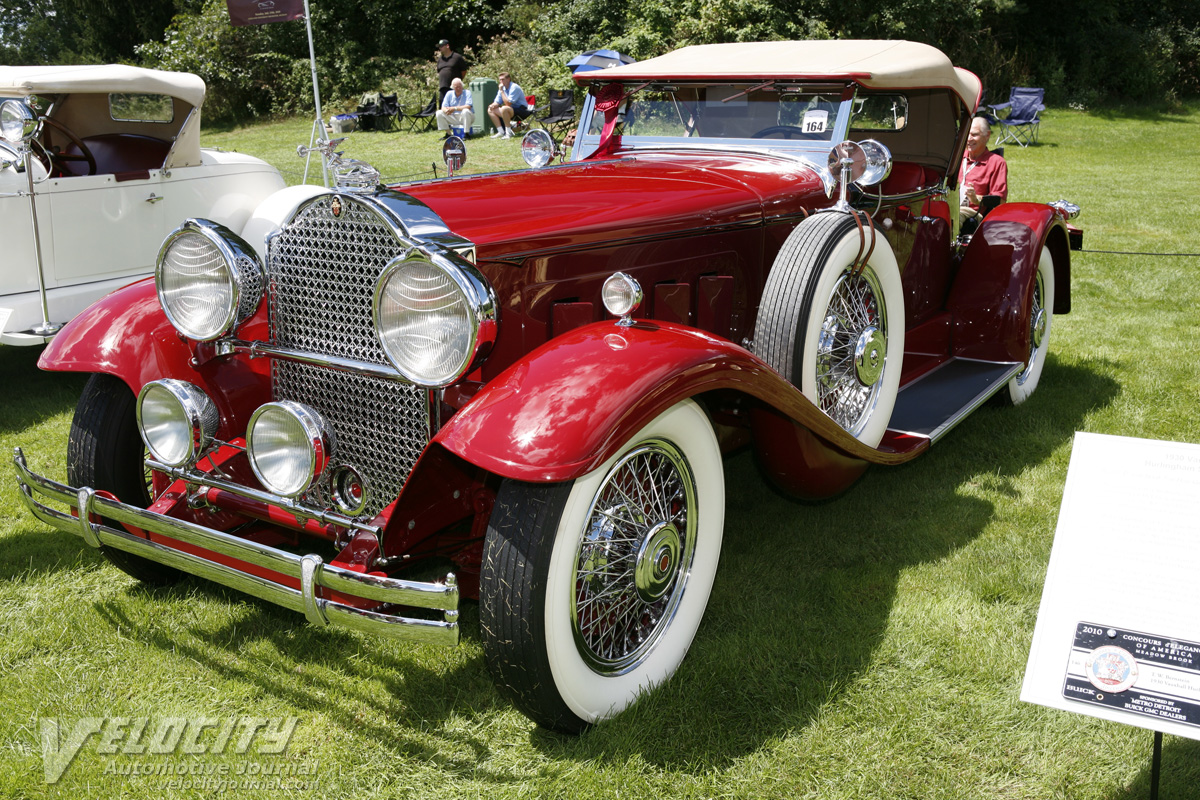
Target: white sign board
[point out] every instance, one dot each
(1118, 631)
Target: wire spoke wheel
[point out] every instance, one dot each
(591, 590)
(1041, 308)
(834, 326)
(852, 339)
(634, 556)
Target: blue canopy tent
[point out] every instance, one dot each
(598, 59)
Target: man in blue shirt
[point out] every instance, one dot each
(509, 104)
(456, 110)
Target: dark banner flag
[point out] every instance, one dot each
(260, 12)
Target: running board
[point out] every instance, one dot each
(937, 401)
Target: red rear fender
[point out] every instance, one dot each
(571, 403)
(990, 299)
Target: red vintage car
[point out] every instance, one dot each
(530, 378)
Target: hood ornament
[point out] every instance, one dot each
(349, 174)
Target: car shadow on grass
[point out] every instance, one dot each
(804, 592)
(395, 696)
(31, 395)
(800, 605)
(1178, 777)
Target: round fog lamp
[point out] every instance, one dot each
(537, 148)
(622, 295)
(177, 421)
(289, 446)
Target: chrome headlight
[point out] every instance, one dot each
(17, 122)
(177, 421)
(289, 446)
(208, 278)
(434, 317)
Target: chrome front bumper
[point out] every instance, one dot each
(309, 570)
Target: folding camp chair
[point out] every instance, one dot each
(519, 124)
(1021, 123)
(425, 118)
(388, 113)
(561, 113)
(368, 110)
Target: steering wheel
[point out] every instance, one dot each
(84, 153)
(788, 131)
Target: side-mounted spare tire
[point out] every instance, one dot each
(834, 331)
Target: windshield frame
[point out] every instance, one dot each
(587, 141)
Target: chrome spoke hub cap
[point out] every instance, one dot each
(869, 354)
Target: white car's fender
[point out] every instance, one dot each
(273, 212)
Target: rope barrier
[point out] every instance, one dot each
(1131, 253)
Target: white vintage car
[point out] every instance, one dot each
(111, 157)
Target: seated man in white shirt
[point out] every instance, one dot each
(456, 110)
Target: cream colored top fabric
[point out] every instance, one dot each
(873, 63)
(22, 81)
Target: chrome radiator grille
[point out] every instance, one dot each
(321, 273)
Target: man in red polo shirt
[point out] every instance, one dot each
(983, 172)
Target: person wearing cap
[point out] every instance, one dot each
(450, 65)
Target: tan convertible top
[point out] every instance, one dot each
(23, 81)
(87, 111)
(873, 63)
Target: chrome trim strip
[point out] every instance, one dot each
(305, 600)
(267, 350)
(194, 477)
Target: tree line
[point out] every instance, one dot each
(1102, 52)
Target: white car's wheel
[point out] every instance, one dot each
(837, 335)
(592, 590)
(1040, 317)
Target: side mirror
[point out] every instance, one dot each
(454, 154)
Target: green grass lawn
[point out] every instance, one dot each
(396, 154)
(869, 647)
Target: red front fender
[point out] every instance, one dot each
(127, 335)
(571, 403)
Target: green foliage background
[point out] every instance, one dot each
(1106, 51)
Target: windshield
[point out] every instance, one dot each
(774, 113)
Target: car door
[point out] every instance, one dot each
(103, 227)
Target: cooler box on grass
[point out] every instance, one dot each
(343, 123)
(483, 92)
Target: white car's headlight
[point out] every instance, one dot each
(434, 317)
(17, 122)
(208, 278)
(177, 421)
(289, 446)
